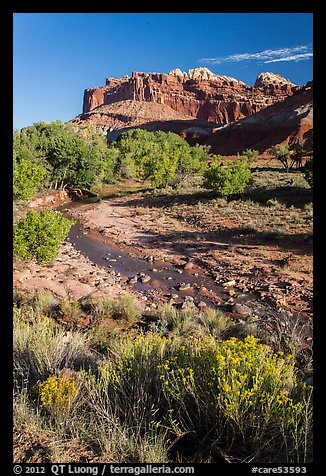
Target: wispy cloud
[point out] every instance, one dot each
(300, 57)
(296, 53)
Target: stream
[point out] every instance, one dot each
(165, 277)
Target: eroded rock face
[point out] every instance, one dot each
(274, 83)
(203, 107)
(199, 93)
(289, 122)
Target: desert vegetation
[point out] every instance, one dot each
(55, 156)
(179, 386)
(116, 379)
(227, 179)
(59, 156)
(159, 157)
(39, 234)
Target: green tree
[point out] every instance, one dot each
(227, 179)
(308, 172)
(39, 234)
(72, 156)
(160, 157)
(28, 177)
(282, 153)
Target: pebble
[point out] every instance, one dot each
(184, 286)
(189, 298)
(229, 283)
(242, 309)
(188, 265)
(188, 302)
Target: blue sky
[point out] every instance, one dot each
(58, 55)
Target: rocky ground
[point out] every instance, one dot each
(70, 276)
(198, 240)
(31, 446)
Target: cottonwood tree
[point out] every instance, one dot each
(227, 179)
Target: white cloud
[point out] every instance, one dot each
(296, 53)
(301, 57)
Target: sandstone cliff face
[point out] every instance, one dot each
(274, 84)
(94, 97)
(130, 113)
(289, 122)
(204, 108)
(199, 93)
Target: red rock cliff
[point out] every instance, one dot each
(199, 93)
(289, 122)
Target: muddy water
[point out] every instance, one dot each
(165, 278)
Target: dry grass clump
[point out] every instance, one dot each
(40, 349)
(190, 321)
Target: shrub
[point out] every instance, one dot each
(238, 396)
(227, 179)
(100, 308)
(215, 322)
(250, 155)
(40, 350)
(273, 202)
(102, 336)
(127, 307)
(241, 386)
(56, 394)
(237, 391)
(39, 234)
(179, 321)
(70, 309)
(44, 301)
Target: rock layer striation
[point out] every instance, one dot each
(199, 93)
(198, 105)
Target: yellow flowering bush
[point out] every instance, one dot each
(253, 385)
(241, 389)
(56, 394)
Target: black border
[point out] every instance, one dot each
(6, 91)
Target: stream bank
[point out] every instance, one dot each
(116, 248)
(155, 277)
